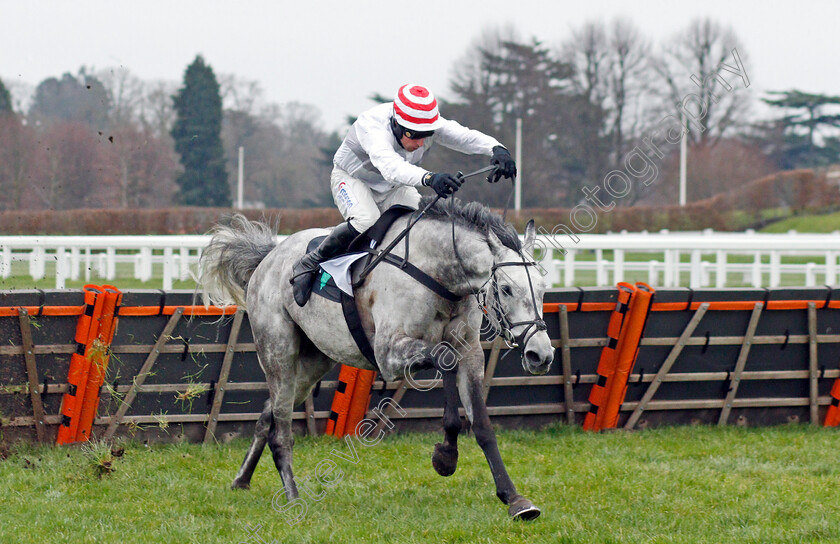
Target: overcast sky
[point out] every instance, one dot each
(335, 54)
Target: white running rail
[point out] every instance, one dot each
(709, 254)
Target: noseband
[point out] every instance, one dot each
(533, 326)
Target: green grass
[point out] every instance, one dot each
(683, 485)
(825, 223)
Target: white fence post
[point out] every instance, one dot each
(60, 267)
(110, 264)
(36, 263)
(705, 275)
(618, 265)
(600, 268)
(569, 268)
(653, 273)
(185, 264)
(810, 274)
(6, 262)
(756, 270)
(775, 269)
(696, 275)
(168, 268)
(88, 264)
(720, 269)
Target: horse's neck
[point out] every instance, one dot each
(461, 271)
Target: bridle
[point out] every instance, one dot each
(532, 326)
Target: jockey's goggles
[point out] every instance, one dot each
(417, 134)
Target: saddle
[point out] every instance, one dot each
(362, 246)
(359, 260)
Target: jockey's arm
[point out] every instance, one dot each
(460, 138)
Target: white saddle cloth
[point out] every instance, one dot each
(339, 269)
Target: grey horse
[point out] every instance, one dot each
(466, 247)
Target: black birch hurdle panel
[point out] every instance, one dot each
(707, 356)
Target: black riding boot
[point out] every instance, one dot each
(303, 273)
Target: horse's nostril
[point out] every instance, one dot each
(533, 357)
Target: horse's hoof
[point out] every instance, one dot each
(240, 485)
(445, 459)
(523, 509)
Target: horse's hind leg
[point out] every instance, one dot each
(280, 438)
(445, 457)
(290, 381)
(243, 477)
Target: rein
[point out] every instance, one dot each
(533, 326)
(380, 254)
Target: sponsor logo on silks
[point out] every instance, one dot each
(325, 277)
(345, 196)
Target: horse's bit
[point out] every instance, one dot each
(533, 326)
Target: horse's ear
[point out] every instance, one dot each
(530, 236)
(496, 245)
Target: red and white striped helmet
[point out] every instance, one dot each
(415, 108)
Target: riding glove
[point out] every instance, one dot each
(504, 162)
(443, 184)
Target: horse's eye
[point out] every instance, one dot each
(506, 291)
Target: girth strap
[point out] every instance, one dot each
(354, 323)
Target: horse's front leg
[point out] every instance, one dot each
(470, 371)
(445, 457)
(402, 356)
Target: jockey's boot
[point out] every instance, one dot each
(303, 273)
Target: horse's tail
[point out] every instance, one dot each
(237, 247)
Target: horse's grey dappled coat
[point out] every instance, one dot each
(404, 320)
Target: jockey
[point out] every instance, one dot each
(376, 167)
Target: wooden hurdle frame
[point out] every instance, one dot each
(568, 379)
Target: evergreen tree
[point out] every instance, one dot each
(197, 134)
(5, 99)
(563, 145)
(803, 137)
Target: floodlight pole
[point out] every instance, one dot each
(241, 180)
(517, 199)
(683, 153)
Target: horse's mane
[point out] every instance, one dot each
(473, 215)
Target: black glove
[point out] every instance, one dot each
(443, 184)
(504, 162)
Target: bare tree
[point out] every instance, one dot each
(587, 50)
(629, 82)
(472, 82)
(243, 95)
(157, 110)
(17, 158)
(69, 173)
(691, 65)
(283, 160)
(610, 71)
(126, 93)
